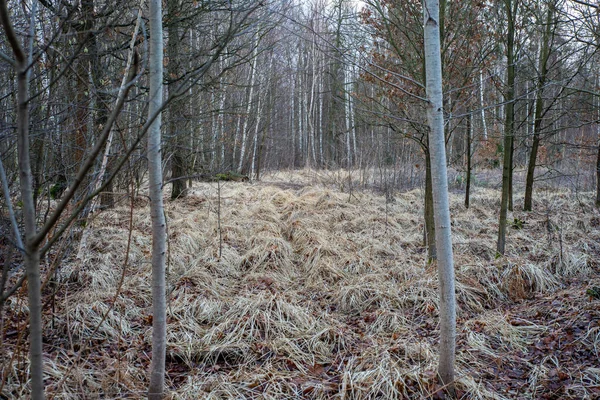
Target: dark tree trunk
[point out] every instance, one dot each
(83, 29)
(469, 156)
(598, 178)
(429, 221)
(179, 185)
(176, 120)
(511, 9)
(539, 108)
(512, 170)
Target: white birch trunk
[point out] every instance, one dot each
(221, 122)
(351, 112)
(481, 106)
(300, 110)
(215, 133)
(255, 141)
(311, 109)
(159, 232)
(321, 156)
(292, 121)
(222, 125)
(249, 105)
(435, 117)
(348, 122)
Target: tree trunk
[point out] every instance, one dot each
(598, 177)
(437, 148)
(539, 108)
(159, 233)
(469, 156)
(429, 219)
(83, 28)
(512, 169)
(481, 103)
(32, 252)
(510, 7)
(249, 104)
(176, 109)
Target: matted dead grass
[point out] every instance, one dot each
(319, 294)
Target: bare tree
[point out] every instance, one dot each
(510, 7)
(435, 117)
(155, 191)
(36, 243)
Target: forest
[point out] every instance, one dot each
(300, 199)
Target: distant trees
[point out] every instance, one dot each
(252, 85)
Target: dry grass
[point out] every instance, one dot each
(316, 295)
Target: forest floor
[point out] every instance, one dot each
(316, 293)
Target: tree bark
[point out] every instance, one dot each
(539, 108)
(429, 218)
(510, 6)
(159, 233)
(437, 148)
(481, 105)
(469, 156)
(32, 252)
(83, 28)
(598, 177)
(249, 104)
(176, 109)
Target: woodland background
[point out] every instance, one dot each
(322, 106)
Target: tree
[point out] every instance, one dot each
(176, 121)
(39, 240)
(510, 7)
(437, 148)
(546, 42)
(159, 226)
(396, 66)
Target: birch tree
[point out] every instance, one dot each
(159, 232)
(441, 212)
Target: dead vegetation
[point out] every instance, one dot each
(318, 294)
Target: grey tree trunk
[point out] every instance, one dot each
(511, 8)
(249, 105)
(32, 250)
(598, 177)
(539, 108)
(469, 159)
(437, 148)
(159, 233)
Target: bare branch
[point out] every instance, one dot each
(11, 35)
(11, 212)
(7, 59)
(585, 3)
(89, 162)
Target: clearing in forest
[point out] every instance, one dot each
(318, 294)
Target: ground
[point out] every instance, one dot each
(309, 291)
